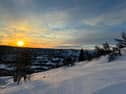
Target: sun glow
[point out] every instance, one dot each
(20, 43)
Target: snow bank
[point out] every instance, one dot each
(95, 77)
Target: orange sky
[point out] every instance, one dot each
(31, 35)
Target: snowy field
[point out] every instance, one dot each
(95, 77)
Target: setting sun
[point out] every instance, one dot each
(20, 43)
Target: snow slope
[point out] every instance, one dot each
(95, 77)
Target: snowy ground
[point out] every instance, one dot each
(96, 77)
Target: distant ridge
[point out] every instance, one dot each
(7, 46)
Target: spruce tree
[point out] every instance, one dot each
(23, 65)
(106, 48)
(122, 40)
(81, 56)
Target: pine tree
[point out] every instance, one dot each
(106, 48)
(81, 56)
(22, 66)
(122, 40)
(99, 51)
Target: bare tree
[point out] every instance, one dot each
(22, 66)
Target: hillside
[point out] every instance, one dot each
(95, 77)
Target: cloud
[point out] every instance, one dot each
(33, 30)
(114, 16)
(89, 37)
(66, 23)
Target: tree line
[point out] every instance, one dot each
(106, 49)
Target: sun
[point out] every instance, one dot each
(20, 43)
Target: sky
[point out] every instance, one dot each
(61, 23)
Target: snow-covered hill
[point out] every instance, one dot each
(95, 77)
